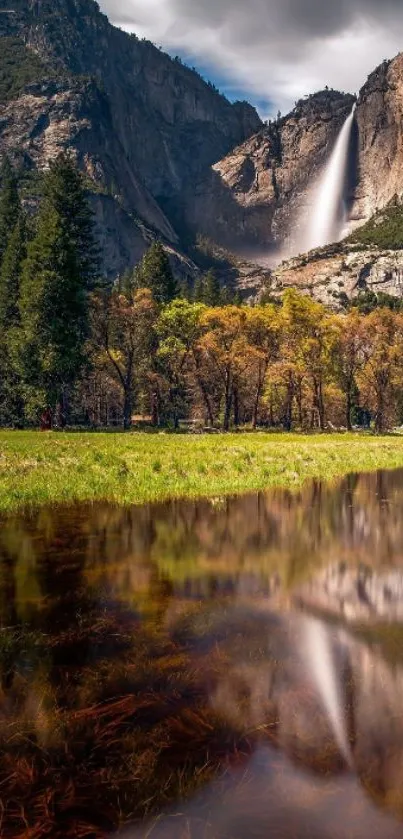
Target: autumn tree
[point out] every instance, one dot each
(308, 339)
(179, 330)
(262, 331)
(123, 334)
(223, 348)
(381, 376)
(348, 358)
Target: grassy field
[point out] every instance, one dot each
(133, 468)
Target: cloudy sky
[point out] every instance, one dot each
(271, 52)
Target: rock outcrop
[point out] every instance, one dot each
(343, 270)
(380, 139)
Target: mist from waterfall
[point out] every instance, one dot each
(329, 213)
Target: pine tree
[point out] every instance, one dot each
(225, 296)
(12, 254)
(57, 275)
(10, 207)
(154, 272)
(10, 276)
(212, 289)
(126, 283)
(198, 291)
(184, 290)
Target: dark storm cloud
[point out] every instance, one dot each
(253, 19)
(280, 47)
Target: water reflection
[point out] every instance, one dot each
(231, 668)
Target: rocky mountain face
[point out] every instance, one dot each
(142, 126)
(380, 139)
(165, 154)
(252, 198)
(332, 273)
(264, 188)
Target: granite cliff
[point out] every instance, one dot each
(252, 198)
(141, 125)
(263, 188)
(165, 154)
(262, 192)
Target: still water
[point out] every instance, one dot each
(224, 669)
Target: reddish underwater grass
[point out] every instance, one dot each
(140, 737)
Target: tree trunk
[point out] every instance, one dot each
(60, 418)
(271, 413)
(206, 400)
(288, 409)
(349, 406)
(203, 390)
(379, 422)
(228, 402)
(319, 404)
(299, 405)
(380, 414)
(236, 407)
(256, 405)
(127, 408)
(259, 391)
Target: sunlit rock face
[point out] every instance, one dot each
(380, 139)
(341, 269)
(264, 187)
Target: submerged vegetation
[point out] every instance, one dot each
(135, 468)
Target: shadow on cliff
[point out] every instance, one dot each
(211, 211)
(352, 173)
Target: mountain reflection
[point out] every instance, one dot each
(241, 658)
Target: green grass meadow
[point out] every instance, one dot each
(135, 468)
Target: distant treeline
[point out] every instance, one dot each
(74, 352)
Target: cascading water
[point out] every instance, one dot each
(329, 215)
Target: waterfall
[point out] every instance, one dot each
(329, 215)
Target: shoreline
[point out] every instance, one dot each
(139, 468)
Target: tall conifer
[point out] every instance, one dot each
(155, 272)
(10, 276)
(10, 207)
(212, 289)
(57, 275)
